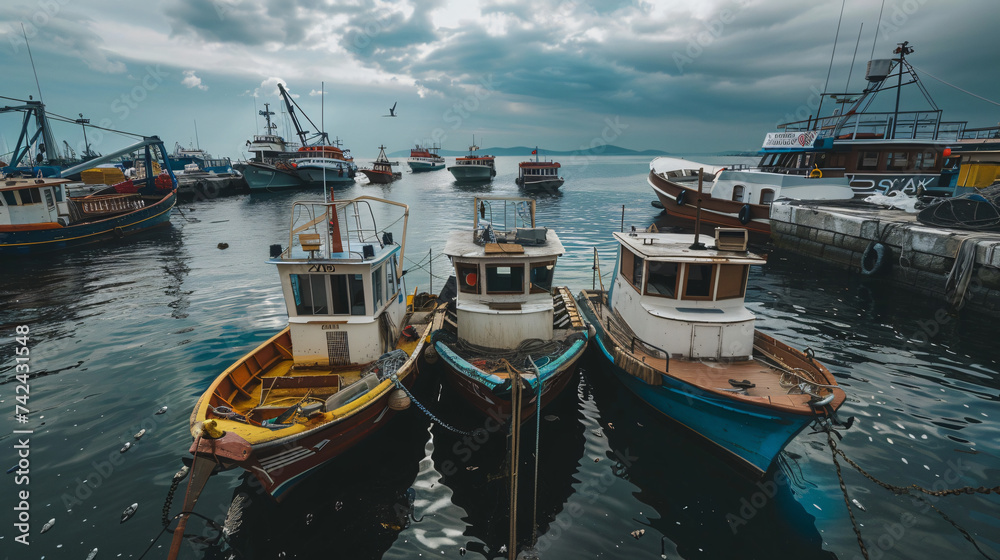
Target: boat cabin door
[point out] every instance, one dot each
(706, 341)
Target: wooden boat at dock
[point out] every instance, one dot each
(674, 329)
(381, 171)
(38, 215)
(337, 373)
(507, 318)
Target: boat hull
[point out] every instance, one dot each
(723, 213)
(317, 176)
(473, 386)
(379, 177)
(267, 177)
(472, 172)
(553, 183)
(425, 165)
(279, 463)
(748, 435)
(32, 242)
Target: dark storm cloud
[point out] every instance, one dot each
(56, 27)
(245, 22)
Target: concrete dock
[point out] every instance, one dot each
(917, 257)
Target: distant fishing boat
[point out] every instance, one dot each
(270, 168)
(674, 329)
(38, 215)
(507, 318)
(337, 373)
(381, 171)
(425, 159)
(538, 174)
(474, 167)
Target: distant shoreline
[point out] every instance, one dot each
(608, 150)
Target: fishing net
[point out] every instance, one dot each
(978, 211)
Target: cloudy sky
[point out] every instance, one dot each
(684, 76)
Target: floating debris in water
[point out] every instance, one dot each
(223, 245)
(461, 551)
(597, 459)
(905, 462)
(503, 549)
(92, 555)
(471, 468)
(550, 418)
(129, 512)
(337, 506)
(12, 469)
(857, 503)
(48, 525)
(138, 435)
(309, 519)
(162, 410)
(612, 426)
(638, 533)
(598, 432)
(125, 447)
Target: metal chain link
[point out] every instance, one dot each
(428, 413)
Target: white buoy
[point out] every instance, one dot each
(399, 400)
(431, 355)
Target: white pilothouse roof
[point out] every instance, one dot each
(677, 247)
(504, 227)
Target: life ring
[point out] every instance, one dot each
(816, 173)
(874, 259)
(744, 215)
(681, 197)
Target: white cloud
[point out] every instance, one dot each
(192, 81)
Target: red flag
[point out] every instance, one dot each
(533, 152)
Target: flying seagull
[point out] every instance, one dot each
(392, 111)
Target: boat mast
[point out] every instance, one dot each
(903, 49)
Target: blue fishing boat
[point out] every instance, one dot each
(507, 320)
(674, 329)
(38, 215)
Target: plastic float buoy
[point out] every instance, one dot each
(471, 278)
(816, 173)
(431, 355)
(681, 196)
(744, 215)
(399, 400)
(874, 259)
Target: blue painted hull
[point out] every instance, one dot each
(481, 389)
(43, 241)
(750, 436)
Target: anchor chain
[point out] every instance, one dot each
(430, 414)
(178, 477)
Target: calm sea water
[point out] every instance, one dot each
(118, 331)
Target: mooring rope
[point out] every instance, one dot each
(430, 414)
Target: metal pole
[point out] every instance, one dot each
(623, 218)
(697, 214)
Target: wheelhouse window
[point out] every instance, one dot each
(631, 269)
(868, 161)
(698, 284)
(356, 284)
(377, 286)
(766, 196)
(925, 160)
(341, 299)
(738, 191)
(504, 279)
(541, 277)
(10, 198)
(390, 278)
(30, 196)
(662, 279)
(897, 161)
(48, 198)
(468, 278)
(310, 294)
(732, 281)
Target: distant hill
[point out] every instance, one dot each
(526, 151)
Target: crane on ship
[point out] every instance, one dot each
(318, 139)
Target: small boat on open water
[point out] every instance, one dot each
(538, 174)
(338, 372)
(38, 215)
(474, 167)
(507, 318)
(381, 171)
(425, 159)
(674, 329)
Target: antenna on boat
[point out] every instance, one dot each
(197, 142)
(32, 59)
(697, 245)
(878, 26)
(854, 59)
(836, 37)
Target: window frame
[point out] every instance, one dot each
(649, 275)
(512, 267)
(687, 278)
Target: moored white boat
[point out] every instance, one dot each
(508, 319)
(474, 167)
(538, 174)
(425, 159)
(674, 329)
